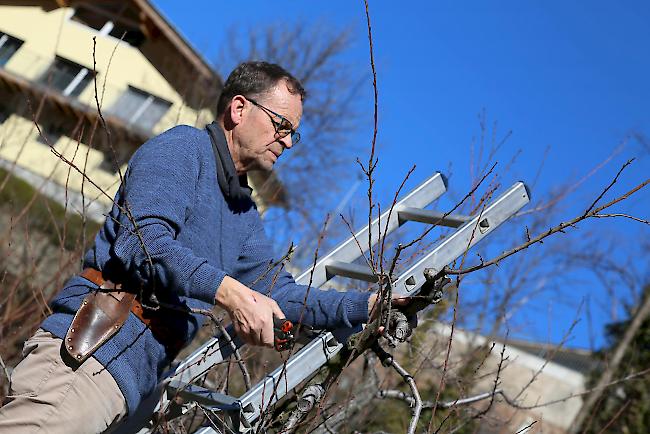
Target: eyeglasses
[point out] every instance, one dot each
(282, 128)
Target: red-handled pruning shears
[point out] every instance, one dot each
(283, 337)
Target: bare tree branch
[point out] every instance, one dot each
(591, 212)
(416, 401)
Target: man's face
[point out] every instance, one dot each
(258, 145)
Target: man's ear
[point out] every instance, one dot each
(237, 109)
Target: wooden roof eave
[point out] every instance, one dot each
(72, 107)
(176, 39)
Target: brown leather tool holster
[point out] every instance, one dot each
(101, 314)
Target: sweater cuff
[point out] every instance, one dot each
(205, 282)
(356, 307)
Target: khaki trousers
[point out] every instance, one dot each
(51, 395)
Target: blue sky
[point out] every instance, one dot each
(572, 78)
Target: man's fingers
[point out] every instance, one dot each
(253, 320)
(239, 324)
(277, 312)
(243, 333)
(267, 336)
(401, 301)
(252, 336)
(238, 331)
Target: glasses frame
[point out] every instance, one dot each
(295, 135)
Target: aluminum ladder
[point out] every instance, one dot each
(244, 412)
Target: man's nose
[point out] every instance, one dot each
(286, 141)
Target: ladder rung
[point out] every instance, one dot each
(203, 396)
(349, 250)
(353, 271)
(453, 246)
(432, 217)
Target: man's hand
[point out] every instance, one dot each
(373, 308)
(397, 302)
(251, 313)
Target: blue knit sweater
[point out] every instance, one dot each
(194, 237)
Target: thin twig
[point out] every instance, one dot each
(502, 358)
(646, 222)
(99, 107)
(372, 161)
(616, 416)
(385, 293)
(300, 321)
(321, 236)
(611, 184)
(356, 240)
(524, 429)
(224, 332)
(510, 401)
(280, 262)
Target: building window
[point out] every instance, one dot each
(67, 77)
(109, 19)
(140, 108)
(4, 113)
(8, 46)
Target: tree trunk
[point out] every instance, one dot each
(639, 317)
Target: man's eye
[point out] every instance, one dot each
(285, 126)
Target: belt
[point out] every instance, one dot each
(153, 319)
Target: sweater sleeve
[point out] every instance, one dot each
(158, 189)
(325, 309)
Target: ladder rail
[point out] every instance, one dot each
(473, 231)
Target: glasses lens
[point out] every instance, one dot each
(286, 124)
(285, 127)
(282, 128)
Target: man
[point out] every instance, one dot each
(183, 234)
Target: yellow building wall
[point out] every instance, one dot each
(118, 65)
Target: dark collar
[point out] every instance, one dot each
(232, 186)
